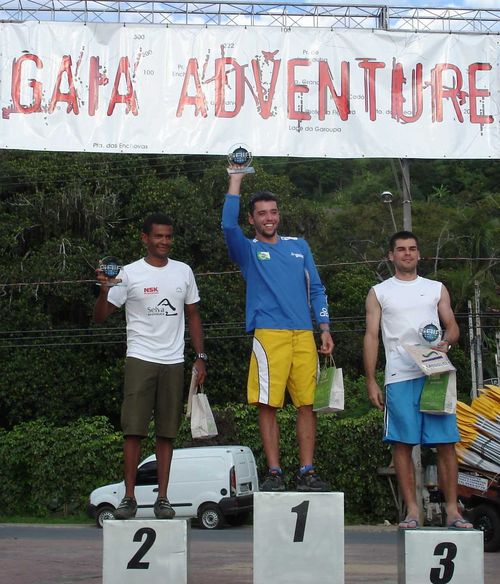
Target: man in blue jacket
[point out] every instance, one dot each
(282, 286)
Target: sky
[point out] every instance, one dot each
(493, 4)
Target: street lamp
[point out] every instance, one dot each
(387, 198)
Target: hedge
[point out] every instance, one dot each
(45, 468)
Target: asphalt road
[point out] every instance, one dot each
(35, 554)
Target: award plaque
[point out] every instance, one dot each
(110, 267)
(240, 156)
(430, 333)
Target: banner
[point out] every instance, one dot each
(282, 92)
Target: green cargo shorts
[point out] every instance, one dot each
(152, 388)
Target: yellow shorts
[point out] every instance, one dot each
(282, 359)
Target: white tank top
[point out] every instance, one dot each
(407, 307)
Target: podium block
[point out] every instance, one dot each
(145, 552)
(298, 537)
(440, 556)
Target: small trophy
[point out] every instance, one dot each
(110, 267)
(242, 157)
(430, 333)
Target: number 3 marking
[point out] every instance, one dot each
(135, 563)
(300, 525)
(450, 549)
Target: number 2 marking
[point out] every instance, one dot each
(300, 525)
(135, 563)
(444, 576)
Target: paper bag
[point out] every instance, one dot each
(439, 395)
(429, 360)
(199, 410)
(329, 395)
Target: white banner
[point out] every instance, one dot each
(294, 92)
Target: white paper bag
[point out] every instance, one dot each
(329, 394)
(429, 360)
(199, 410)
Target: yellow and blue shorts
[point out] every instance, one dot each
(282, 359)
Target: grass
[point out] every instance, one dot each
(53, 519)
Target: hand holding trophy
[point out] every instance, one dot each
(240, 160)
(107, 272)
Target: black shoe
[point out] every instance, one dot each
(310, 482)
(273, 482)
(163, 509)
(126, 509)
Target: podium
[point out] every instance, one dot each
(298, 537)
(146, 551)
(440, 556)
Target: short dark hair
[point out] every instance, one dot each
(401, 235)
(155, 219)
(260, 196)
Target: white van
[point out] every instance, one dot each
(213, 483)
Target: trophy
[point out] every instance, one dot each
(242, 157)
(110, 267)
(430, 333)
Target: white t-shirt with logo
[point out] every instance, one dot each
(154, 301)
(407, 307)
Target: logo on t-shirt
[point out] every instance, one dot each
(151, 290)
(263, 255)
(163, 308)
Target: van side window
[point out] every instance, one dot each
(146, 474)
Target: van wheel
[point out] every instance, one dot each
(236, 520)
(210, 516)
(103, 513)
(487, 519)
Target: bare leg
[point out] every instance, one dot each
(403, 464)
(164, 450)
(448, 480)
(131, 457)
(306, 434)
(270, 434)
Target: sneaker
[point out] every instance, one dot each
(273, 482)
(163, 509)
(126, 509)
(311, 482)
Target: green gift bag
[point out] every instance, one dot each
(439, 395)
(329, 395)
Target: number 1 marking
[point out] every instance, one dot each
(300, 525)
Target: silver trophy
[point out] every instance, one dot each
(430, 333)
(110, 267)
(240, 156)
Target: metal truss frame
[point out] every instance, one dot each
(285, 15)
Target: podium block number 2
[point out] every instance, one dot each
(447, 551)
(145, 552)
(135, 563)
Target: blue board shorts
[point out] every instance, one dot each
(405, 423)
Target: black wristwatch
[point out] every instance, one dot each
(202, 356)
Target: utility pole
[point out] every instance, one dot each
(405, 172)
(479, 340)
(473, 391)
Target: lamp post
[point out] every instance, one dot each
(387, 198)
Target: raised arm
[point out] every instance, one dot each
(102, 308)
(451, 330)
(370, 348)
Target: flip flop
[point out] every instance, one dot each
(409, 523)
(460, 524)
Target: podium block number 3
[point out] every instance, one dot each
(447, 551)
(300, 525)
(135, 563)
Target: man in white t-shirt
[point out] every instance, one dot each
(157, 292)
(407, 307)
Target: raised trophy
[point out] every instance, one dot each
(430, 333)
(240, 156)
(110, 267)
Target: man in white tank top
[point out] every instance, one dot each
(401, 307)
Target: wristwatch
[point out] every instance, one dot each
(202, 356)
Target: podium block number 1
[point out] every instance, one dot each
(298, 537)
(145, 552)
